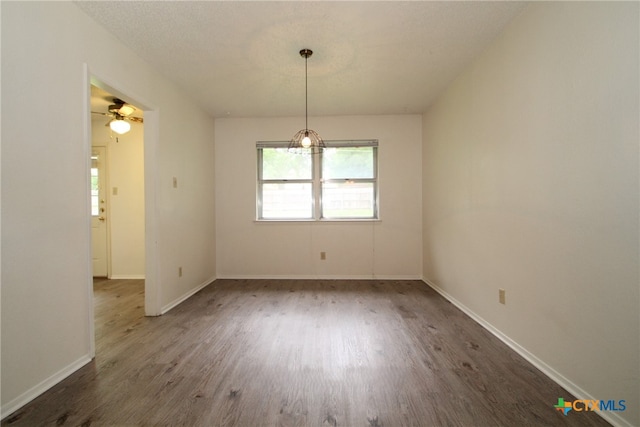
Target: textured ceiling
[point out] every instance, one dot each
(240, 59)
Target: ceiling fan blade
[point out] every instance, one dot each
(103, 114)
(121, 108)
(135, 119)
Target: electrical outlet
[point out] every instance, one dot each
(323, 255)
(179, 271)
(502, 296)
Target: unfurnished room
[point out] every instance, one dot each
(319, 213)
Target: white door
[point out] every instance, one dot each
(99, 241)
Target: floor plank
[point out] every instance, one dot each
(366, 353)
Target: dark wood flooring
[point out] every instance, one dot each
(250, 353)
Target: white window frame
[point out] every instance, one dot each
(317, 181)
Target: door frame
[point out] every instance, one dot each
(118, 87)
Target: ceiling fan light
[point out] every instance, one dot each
(120, 126)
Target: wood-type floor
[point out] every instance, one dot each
(367, 353)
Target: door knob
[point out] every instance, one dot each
(101, 218)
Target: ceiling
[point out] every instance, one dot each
(240, 58)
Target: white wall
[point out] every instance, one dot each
(45, 160)
(125, 171)
(388, 248)
(530, 179)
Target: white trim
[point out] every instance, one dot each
(86, 129)
(317, 221)
(152, 285)
(316, 277)
(38, 389)
(186, 296)
(611, 417)
(127, 277)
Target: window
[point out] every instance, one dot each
(95, 193)
(341, 183)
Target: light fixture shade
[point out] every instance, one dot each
(306, 141)
(120, 126)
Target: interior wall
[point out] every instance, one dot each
(530, 179)
(46, 260)
(125, 171)
(389, 248)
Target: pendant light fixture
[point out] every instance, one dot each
(306, 141)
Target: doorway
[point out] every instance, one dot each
(129, 162)
(117, 186)
(118, 223)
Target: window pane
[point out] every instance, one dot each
(95, 206)
(347, 162)
(287, 200)
(279, 163)
(348, 200)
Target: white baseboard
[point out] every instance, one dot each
(127, 277)
(316, 277)
(38, 389)
(184, 297)
(555, 376)
(396, 277)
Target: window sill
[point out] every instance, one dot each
(319, 221)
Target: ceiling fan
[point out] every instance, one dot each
(120, 113)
